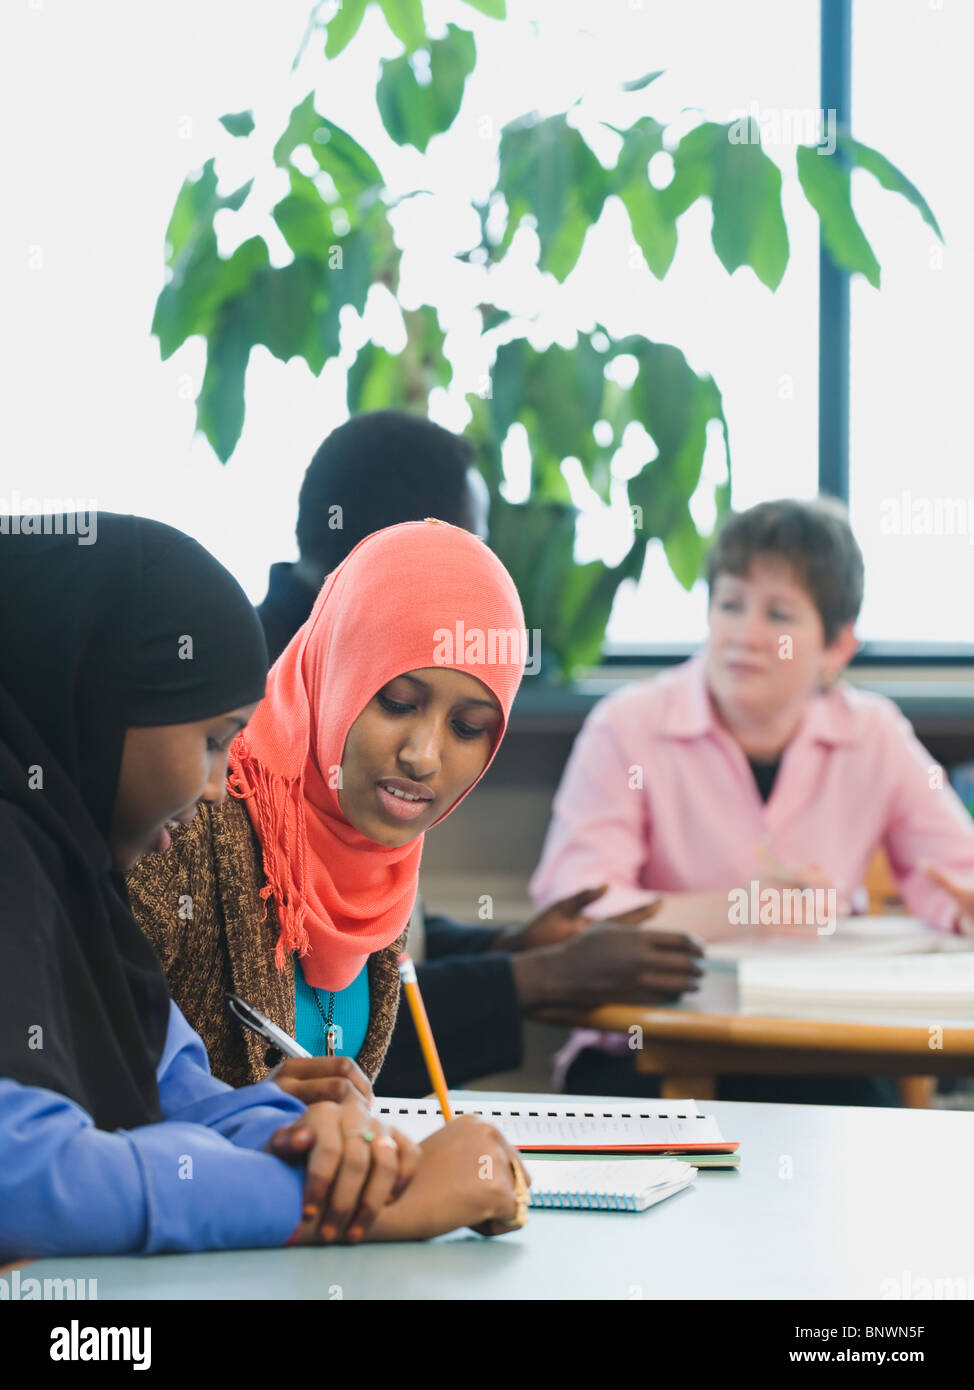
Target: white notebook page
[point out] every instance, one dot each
(528, 1123)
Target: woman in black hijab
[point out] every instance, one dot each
(126, 668)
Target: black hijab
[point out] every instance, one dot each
(138, 626)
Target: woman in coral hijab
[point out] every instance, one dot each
(295, 891)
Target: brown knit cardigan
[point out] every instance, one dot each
(199, 904)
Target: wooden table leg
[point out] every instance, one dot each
(917, 1092)
(681, 1087)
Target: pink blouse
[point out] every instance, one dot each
(658, 796)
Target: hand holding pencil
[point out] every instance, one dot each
(519, 1177)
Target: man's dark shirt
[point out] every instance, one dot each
(469, 992)
(287, 605)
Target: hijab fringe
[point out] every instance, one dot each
(278, 809)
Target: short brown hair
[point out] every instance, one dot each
(813, 538)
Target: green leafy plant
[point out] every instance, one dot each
(336, 224)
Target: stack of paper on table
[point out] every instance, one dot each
(853, 936)
(916, 987)
(585, 1125)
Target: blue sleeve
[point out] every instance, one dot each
(196, 1181)
(248, 1115)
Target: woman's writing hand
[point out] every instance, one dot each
(354, 1167)
(960, 889)
(323, 1078)
(464, 1178)
(784, 878)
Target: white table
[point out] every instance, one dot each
(873, 1195)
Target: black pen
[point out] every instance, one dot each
(257, 1022)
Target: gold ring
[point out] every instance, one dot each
(367, 1134)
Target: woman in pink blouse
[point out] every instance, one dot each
(752, 764)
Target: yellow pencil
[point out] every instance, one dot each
(407, 974)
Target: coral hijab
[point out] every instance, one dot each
(385, 610)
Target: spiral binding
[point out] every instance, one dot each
(583, 1201)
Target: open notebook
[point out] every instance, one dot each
(630, 1186)
(587, 1125)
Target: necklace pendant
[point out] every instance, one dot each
(330, 1042)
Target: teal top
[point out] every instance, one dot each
(351, 1014)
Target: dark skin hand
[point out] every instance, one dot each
(610, 962)
(348, 1179)
(564, 958)
(560, 920)
(323, 1078)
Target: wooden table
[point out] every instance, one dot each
(690, 1043)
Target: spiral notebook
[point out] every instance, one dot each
(583, 1125)
(632, 1185)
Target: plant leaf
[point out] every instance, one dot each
(638, 83)
(536, 544)
(195, 207)
(493, 9)
(380, 380)
(749, 226)
(675, 406)
(492, 317)
(587, 600)
(653, 230)
(548, 171)
(239, 124)
(412, 113)
(685, 549)
(305, 218)
(653, 227)
(888, 176)
(507, 385)
(353, 171)
(286, 310)
(572, 380)
(200, 278)
(220, 403)
(373, 381)
(405, 19)
(693, 161)
(343, 26)
(826, 184)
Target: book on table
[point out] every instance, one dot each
(924, 988)
(584, 1125)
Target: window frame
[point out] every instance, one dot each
(834, 337)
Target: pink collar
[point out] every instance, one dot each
(829, 716)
